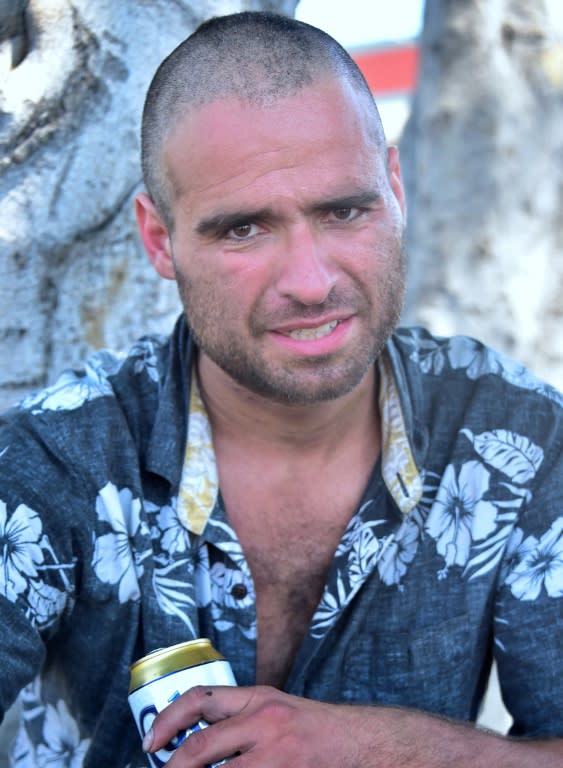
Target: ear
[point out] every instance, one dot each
(154, 234)
(394, 173)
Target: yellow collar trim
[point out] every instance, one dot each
(400, 473)
(199, 484)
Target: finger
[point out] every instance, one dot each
(209, 746)
(210, 703)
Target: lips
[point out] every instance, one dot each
(310, 334)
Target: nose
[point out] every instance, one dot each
(306, 272)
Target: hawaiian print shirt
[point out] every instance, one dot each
(115, 541)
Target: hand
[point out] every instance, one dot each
(264, 727)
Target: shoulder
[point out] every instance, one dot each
(90, 419)
(105, 374)
(463, 367)
(471, 406)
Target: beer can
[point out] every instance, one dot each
(162, 676)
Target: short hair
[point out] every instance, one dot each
(257, 57)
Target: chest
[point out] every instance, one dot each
(289, 541)
(289, 510)
(289, 535)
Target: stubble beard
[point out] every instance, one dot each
(306, 381)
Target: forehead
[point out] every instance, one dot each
(321, 135)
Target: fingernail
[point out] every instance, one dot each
(148, 740)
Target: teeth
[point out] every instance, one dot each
(313, 333)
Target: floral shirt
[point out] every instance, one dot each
(115, 541)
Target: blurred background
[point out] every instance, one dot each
(385, 44)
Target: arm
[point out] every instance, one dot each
(35, 585)
(275, 730)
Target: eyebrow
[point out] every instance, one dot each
(223, 222)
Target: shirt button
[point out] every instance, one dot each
(239, 591)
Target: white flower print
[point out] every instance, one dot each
(226, 583)
(145, 350)
(433, 354)
(355, 531)
(73, 388)
(399, 553)
(427, 353)
(460, 514)
(363, 554)
(24, 552)
(350, 535)
(114, 561)
(356, 556)
(22, 754)
(515, 373)
(46, 602)
(175, 596)
(329, 608)
(20, 552)
(512, 454)
(232, 597)
(512, 554)
(175, 539)
(201, 576)
(539, 563)
(63, 747)
(477, 360)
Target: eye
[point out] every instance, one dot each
(345, 214)
(242, 231)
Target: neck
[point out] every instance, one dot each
(237, 413)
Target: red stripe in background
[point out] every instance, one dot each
(389, 70)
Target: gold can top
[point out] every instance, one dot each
(163, 661)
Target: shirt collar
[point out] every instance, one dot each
(165, 455)
(199, 484)
(398, 464)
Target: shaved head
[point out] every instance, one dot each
(255, 57)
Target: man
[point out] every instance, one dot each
(353, 516)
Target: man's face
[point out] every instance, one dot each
(287, 242)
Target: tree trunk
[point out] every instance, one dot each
(483, 162)
(73, 275)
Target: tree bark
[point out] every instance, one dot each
(73, 275)
(483, 162)
(482, 156)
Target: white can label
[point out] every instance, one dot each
(146, 702)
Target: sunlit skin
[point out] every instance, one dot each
(287, 218)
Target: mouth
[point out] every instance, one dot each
(310, 334)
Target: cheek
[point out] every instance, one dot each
(387, 241)
(245, 279)
(374, 254)
(376, 267)
(253, 267)
(230, 291)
